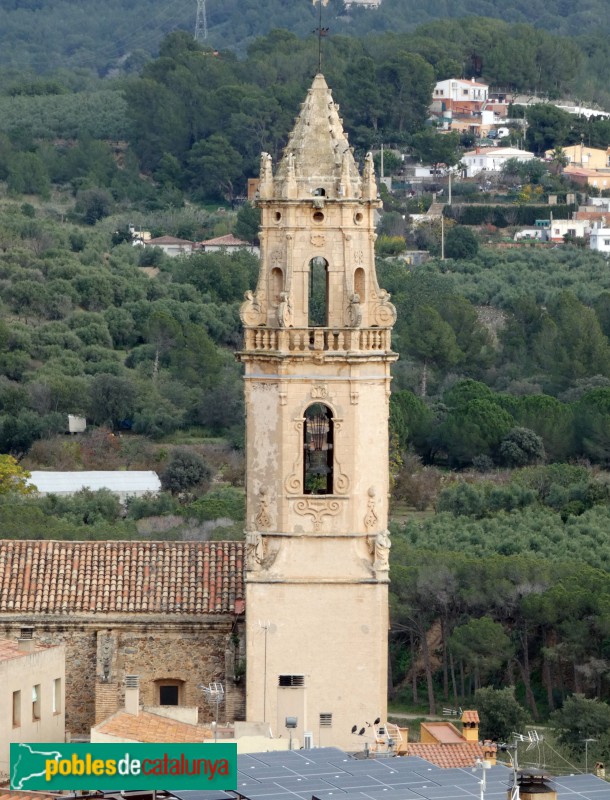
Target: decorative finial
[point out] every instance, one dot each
(321, 32)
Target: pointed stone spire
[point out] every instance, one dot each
(318, 157)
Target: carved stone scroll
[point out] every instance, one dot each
(317, 508)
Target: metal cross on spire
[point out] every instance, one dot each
(320, 31)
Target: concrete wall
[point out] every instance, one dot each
(39, 668)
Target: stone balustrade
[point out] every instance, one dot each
(307, 340)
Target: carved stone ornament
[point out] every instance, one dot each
(354, 311)
(359, 256)
(263, 520)
(317, 239)
(354, 397)
(251, 311)
(277, 257)
(106, 651)
(384, 313)
(379, 546)
(294, 482)
(255, 550)
(319, 392)
(370, 518)
(284, 311)
(317, 508)
(341, 482)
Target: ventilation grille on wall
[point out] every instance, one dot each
(132, 681)
(291, 680)
(326, 720)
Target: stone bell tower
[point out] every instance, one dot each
(317, 361)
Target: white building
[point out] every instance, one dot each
(600, 238)
(171, 246)
(226, 244)
(123, 483)
(32, 697)
(455, 90)
(492, 159)
(578, 228)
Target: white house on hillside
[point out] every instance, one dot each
(455, 90)
(492, 159)
(171, 246)
(600, 238)
(225, 244)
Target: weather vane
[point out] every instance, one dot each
(320, 31)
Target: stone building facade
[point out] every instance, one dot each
(317, 358)
(170, 612)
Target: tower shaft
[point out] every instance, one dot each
(317, 357)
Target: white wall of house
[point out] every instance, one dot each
(458, 90)
(492, 159)
(32, 696)
(575, 227)
(600, 239)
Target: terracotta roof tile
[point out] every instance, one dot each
(51, 577)
(147, 727)
(470, 716)
(9, 649)
(443, 732)
(447, 755)
(224, 241)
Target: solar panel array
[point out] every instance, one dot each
(330, 774)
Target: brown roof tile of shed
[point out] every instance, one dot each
(51, 577)
(447, 755)
(147, 727)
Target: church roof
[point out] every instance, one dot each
(51, 577)
(147, 727)
(318, 145)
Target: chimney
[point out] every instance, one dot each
(132, 694)
(534, 784)
(25, 642)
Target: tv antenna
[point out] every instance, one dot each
(201, 22)
(320, 31)
(214, 694)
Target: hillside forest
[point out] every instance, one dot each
(500, 413)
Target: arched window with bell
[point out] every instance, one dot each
(318, 450)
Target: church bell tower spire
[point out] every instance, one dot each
(317, 356)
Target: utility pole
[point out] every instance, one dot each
(201, 22)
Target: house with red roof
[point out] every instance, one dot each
(226, 244)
